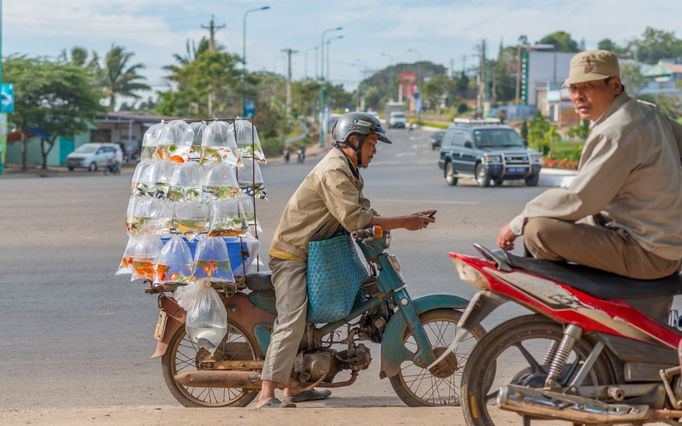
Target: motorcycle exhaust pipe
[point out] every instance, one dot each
(220, 379)
(547, 404)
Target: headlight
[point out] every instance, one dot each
(470, 275)
(492, 158)
(536, 159)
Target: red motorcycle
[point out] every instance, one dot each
(584, 355)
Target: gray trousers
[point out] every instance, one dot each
(289, 281)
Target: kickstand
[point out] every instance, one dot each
(526, 420)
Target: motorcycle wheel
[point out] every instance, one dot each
(184, 355)
(417, 386)
(515, 352)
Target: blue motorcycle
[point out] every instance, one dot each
(412, 334)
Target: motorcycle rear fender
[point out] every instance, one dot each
(393, 351)
(239, 310)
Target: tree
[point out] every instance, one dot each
(632, 77)
(212, 73)
(656, 45)
(57, 98)
(119, 78)
(561, 40)
(609, 45)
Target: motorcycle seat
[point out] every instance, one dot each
(259, 281)
(596, 282)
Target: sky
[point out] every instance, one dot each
(376, 33)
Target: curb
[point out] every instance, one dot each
(556, 177)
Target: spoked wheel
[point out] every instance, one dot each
(515, 352)
(418, 387)
(450, 174)
(184, 355)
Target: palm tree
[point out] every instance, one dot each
(192, 52)
(119, 78)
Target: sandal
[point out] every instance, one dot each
(311, 395)
(276, 403)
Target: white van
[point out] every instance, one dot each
(397, 119)
(94, 155)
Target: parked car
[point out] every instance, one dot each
(436, 139)
(397, 119)
(94, 155)
(488, 152)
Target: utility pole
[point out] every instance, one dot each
(289, 52)
(212, 29)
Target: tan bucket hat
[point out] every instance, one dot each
(592, 65)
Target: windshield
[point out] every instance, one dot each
(497, 138)
(87, 149)
(398, 115)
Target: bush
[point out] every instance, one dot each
(562, 150)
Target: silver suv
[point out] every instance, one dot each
(487, 151)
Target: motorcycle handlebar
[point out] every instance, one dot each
(373, 232)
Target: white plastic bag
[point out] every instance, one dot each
(175, 262)
(218, 145)
(248, 141)
(206, 322)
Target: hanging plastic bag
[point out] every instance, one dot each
(220, 183)
(150, 140)
(248, 142)
(251, 180)
(163, 173)
(175, 262)
(137, 216)
(198, 130)
(218, 145)
(185, 184)
(227, 219)
(206, 322)
(211, 262)
(160, 220)
(247, 206)
(249, 262)
(138, 183)
(175, 140)
(191, 218)
(126, 265)
(145, 254)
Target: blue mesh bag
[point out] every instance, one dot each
(335, 274)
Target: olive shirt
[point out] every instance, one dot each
(629, 177)
(328, 200)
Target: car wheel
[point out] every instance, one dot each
(450, 174)
(92, 167)
(482, 177)
(532, 180)
(498, 181)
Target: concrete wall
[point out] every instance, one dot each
(546, 67)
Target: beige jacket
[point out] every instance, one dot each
(629, 172)
(328, 201)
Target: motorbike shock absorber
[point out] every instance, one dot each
(572, 334)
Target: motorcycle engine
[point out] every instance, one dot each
(312, 366)
(373, 322)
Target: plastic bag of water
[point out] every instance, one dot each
(206, 322)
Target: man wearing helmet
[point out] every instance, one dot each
(329, 200)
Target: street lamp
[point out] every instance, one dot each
(323, 124)
(244, 54)
(390, 58)
(316, 48)
(328, 43)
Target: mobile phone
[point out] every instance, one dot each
(433, 213)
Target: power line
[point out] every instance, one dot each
(212, 29)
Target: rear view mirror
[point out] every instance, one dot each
(468, 144)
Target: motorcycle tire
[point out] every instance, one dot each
(480, 385)
(407, 384)
(179, 354)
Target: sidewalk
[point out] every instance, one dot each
(556, 177)
(244, 416)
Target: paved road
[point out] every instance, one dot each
(74, 335)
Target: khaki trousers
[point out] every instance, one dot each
(596, 246)
(289, 281)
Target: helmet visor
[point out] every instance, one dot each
(381, 133)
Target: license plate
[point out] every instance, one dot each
(517, 170)
(160, 326)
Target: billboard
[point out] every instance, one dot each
(7, 97)
(408, 81)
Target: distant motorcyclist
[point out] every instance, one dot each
(328, 201)
(301, 154)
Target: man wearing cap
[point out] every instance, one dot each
(328, 201)
(623, 211)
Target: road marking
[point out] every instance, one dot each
(406, 154)
(402, 163)
(392, 200)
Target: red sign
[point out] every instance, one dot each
(409, 83)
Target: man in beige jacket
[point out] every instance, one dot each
(623, 211)
(328, 201)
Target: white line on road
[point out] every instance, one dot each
(402, 163)
(395, 200)
(406, 154)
